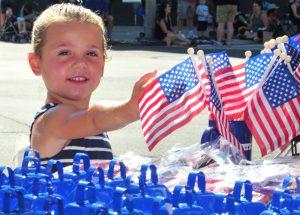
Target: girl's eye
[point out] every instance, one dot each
(63, 53)
(92, 53)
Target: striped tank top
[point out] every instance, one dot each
(97, 147)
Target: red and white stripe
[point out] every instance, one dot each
(160, 118)
(272, 128)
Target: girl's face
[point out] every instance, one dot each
(168, 9)
(72, 61)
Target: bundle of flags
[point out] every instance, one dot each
(263, 91)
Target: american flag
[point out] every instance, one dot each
(297, 74)
(273, 114)
(295, 55)
(222, 122)
(205, 80)
(295, 41)
(295, 67)
(237, 84)
(220, 60)
(170, 102)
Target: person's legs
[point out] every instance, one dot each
(201, 27)
(176, 38)
(21, 25)
(229, 31)
(190, 11)
(231, 12)
(110, 25)
(179, 24)
(180, 15)
(220, 31)
(220, 17)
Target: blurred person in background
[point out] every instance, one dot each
(102, 8)
(295, 13)
(202, 18)
(186, 12)
(226, 11)
(163, 27)
(258, 23)
(275, 25)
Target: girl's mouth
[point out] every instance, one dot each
(78, 79)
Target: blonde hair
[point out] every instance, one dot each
(64, 12)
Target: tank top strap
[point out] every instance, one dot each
(43, 110)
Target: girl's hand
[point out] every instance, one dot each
(140, 85)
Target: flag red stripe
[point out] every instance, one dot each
(161, 113)
(146, 91)
(171, 119)
(249, 121)
(278, 125)
(175, 126)
(259, 126)
(155, 112)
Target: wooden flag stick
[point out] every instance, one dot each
(248, 54)
(191, 53)
(209, 60)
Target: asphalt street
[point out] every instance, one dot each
(22, 94)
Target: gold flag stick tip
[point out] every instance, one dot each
(190, 51)
(283, 56)
(209, 59)
(248, 54)
(272, 43)
(287, 59)
(200, 53)
(285, 39)
(279, 40)
(266, 45)
(277, 52)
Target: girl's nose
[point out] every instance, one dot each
(79, 61)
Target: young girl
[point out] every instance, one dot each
(202, 16)
(69, 52)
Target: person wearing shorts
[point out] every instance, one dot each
(186, 11)
(202, 17)
(226, 11)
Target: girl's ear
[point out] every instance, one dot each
(34, 62)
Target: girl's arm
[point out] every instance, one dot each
(66, 122)
(118, 116)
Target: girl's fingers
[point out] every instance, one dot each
(148, 76)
